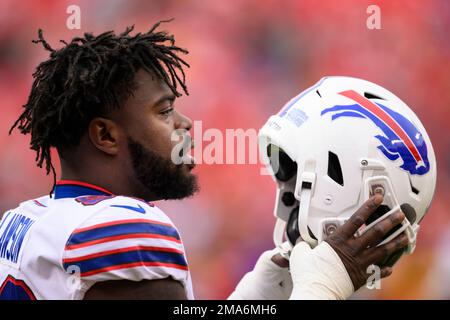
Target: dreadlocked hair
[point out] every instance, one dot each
(86, 78)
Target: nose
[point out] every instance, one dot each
(183, 122)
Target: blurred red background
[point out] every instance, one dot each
(247, 59)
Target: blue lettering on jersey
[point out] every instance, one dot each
(13, 229)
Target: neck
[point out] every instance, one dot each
(107, 176)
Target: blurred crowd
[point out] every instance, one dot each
(247, 59)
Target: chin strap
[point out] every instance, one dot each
(304, 190)
(284, 248)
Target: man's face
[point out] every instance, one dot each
(150, 121)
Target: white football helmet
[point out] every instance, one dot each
(334, 145)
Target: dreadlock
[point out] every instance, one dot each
(86, 78)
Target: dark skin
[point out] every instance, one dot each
(102, 158)
(357, 253)
(148, 116)
(165, 289)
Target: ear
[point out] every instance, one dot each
(104, 134)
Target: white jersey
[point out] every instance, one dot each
(58, 247)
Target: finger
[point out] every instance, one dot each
(385, 272)
(378, 232)
(362, 214)
(378, 254)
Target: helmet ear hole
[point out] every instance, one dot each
(284, 167)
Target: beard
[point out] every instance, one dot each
(159, 175)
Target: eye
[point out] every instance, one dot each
(167, 112)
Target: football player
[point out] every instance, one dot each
(106, 104)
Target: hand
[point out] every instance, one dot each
(357, 253)
(267, 281)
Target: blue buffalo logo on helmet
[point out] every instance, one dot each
(400, 137)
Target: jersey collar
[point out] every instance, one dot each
(73, 189)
